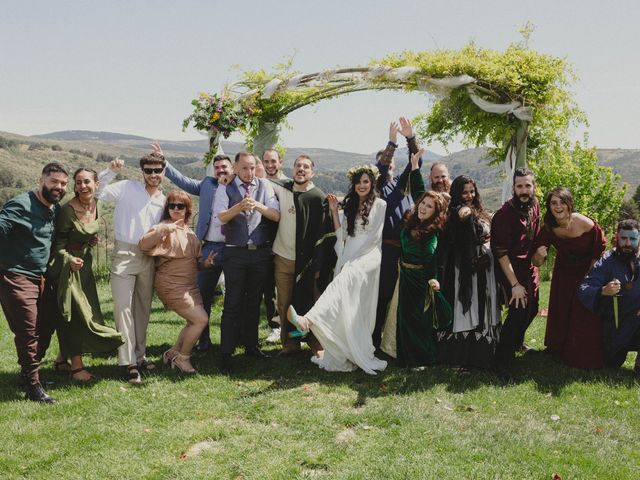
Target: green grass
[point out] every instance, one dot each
(284, 418)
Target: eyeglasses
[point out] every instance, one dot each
(179, 206)
(149, 171)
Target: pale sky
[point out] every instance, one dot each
(134, 66)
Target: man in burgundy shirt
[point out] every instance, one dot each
(513, 229)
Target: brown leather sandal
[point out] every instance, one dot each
(61, 366)
(73, 373)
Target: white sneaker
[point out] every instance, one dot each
(274, 336)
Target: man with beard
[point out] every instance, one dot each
(439, 179)
(612, 290)
(513, 229)
(139, 207)
(27, 224)
(272, 164)
(393, 190)
(241, 206)
(208, 231)
(298, 246)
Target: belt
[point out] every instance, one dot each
(395, 243)
(411, 266)
(251, 246)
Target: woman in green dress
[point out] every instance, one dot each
(78, 318)
(421, 308)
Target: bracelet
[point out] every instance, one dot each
(394, 145)
(515, 285)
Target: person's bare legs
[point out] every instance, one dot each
(78, 371)
(197, 319)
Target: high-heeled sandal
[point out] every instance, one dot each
(292, 316)
(182, 364)
(168, 356)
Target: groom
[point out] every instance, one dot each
(299, 246)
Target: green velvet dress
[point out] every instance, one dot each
(421, 311)
(79, 321)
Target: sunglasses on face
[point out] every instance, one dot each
(149, 171)
(179, 206)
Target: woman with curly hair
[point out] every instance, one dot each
(418, 309)
(344, 316)
(469, 282)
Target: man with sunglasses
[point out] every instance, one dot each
(207, 231)
(138, 207)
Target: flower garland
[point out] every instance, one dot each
(357, 170)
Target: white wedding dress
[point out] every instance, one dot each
(344, 316)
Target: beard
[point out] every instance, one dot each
(50, 195)
(626, 254)
(523, 205)
(441, 187)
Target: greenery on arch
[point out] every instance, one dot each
(518, 75)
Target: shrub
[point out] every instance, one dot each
(6, 143)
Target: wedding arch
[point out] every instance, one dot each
(516, 101)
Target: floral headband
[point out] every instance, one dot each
(357, 170)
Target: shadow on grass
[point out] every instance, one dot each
(547, 373)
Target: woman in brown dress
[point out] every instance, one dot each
(177, 252)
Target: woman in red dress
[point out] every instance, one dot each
(573, 332)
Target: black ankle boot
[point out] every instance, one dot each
(36, 393)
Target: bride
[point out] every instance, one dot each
(344, 316)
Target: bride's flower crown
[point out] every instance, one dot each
(357, 170)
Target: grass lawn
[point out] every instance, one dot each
(284, 418)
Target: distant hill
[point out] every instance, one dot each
(87, 135)
(22, 158)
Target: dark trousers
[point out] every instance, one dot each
(20, 297)
(388, 278)
(270, 294)
(515, 327)
(48, 317)
(616, 358)
(208, 280)
(245, 272)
